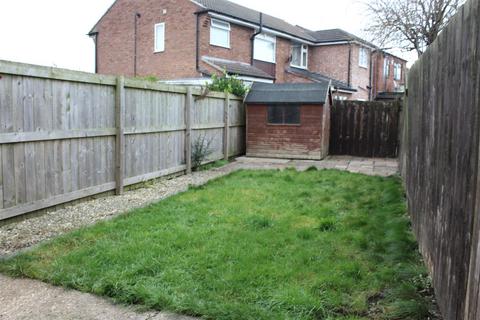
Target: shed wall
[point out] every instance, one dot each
(309, 140)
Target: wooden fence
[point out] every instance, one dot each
(440, 162)
(365, 129)
(67, 135)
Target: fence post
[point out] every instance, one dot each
(120, 135)
(226, 131)
(188, 129)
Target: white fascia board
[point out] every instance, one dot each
(343, 42)
(198, 4)
(256, 27)
(253, 79)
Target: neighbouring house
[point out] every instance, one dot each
(289, 120)
(186, 41)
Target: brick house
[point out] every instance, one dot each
(186, 41)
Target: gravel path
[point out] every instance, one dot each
(20, 235)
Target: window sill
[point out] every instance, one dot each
(284, 124)
(364, 67)
(299, 67)
(155, 52)
(220, 46)
(272, 62)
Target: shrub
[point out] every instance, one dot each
(228, 83)
(201, 149)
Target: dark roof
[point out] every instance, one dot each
(318, 77)
(337, 35)
(389, 96)
(284, 93)
(237, 68)
(249, 15)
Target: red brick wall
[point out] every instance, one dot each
(304, 141)
(333, 61)
(382, 84)
(240, 44)
(360, 76)
(115, 43)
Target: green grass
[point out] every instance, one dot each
(252, 245)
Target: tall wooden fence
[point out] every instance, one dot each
(365, 129)
(67, 135)
(440, 162)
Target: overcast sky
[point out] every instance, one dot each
(53, 32)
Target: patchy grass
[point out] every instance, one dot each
(253, 245)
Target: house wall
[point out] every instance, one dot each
(309, 140)
(240, 44)
(331, 61)
(115, 43)
(334, 60)
(387, 84)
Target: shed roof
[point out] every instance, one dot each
(286, 93)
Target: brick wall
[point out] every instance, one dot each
(309, 140)
(387, 84)
(115, 43)
(333, 61)
(240, 44)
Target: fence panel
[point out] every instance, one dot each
(440, 162)
(365, 129)
(60, 129)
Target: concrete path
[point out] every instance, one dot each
(29, 299)
(368, 166)
(34, 300)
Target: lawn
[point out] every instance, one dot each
(252, 245)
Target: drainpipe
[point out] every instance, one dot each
(137, 16)
(370, 91)
(252, 38)
(350, 64)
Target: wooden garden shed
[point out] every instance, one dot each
(288, 120)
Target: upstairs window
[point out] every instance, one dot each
(363, 58)
(299, 55)
(264, 48)
(386, 68)
(284, 114)
(220, 33)
(397, 71)
(160, 37)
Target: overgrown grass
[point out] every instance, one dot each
(253, 245)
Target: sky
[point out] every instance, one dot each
(53, 32)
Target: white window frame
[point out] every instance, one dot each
(266, 38)
(303, 49)
(363, 57)
(219, 25)
(397, 70)
(162, 47)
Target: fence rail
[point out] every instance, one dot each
(66, 135)
(365, 129)
(440, 162)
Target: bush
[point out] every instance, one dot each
(201, 149)
(228, 83)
